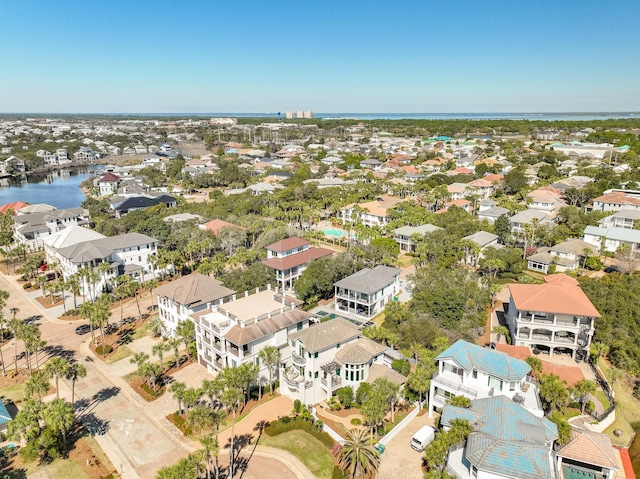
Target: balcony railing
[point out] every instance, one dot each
(335, 381)
(298, 360)
(455, 386)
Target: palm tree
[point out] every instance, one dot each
(101, 313)
(186, 330)
(73, 285)
(190, 398)
(15, 325)
(156, 326)
(104, 268)
(211, 449)
(174, 343)
(56, 369)
(74, 372)
(419, 381)
(213, 388)
(178, 389)
(582, 389)
(270, 356)
(59, 416)
(358, 456)
(32, 340)
(86, 311)
(159, 350)
(231, 399)
(37, 384)
(2, 322)
(199, 419)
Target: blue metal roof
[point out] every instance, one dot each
(499, 365)
(506, 439)
(5, 417)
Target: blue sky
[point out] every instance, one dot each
(330, 56)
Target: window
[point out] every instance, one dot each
(338, 346)
(315, 355)
(299, 326)
(257, 361)
(475, 374)
(512, 386)
(315, 376)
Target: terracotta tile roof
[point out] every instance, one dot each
(108, 177)
(591, 448)
(297, 259)
(618, 198)
(560, 294)
(481, 183)
(216, 225)
(494, 177)
(287, 244)
(625, 458)
(14, 205)
(571, 375)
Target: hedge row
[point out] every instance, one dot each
(278, 427)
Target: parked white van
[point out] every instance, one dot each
(422, 438)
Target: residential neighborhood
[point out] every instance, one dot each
(257, 283)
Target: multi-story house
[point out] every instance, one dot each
(290, 257)
(626, 219)
(554, 317)
(528, 217)
(330, 355)
(124, 205)
(85, 155)
(566, 256)
(506, 442)
(30, 229)
(187, 295)
(469, 370)
(372, 213)
(107, 184)
(67, 237)
(616, 200)
(403, 235)
(233, 332)
(612, 239)
(366, 292)
(126, 254)
(546, 199)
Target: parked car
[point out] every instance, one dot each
(612, 269)
(83, 329)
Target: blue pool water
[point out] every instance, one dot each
(334, 232)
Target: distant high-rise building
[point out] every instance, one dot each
(289, 115)
(308, 114)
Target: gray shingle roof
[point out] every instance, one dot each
(241, 336)
(411, 230)
(103, 247)
(368, 280)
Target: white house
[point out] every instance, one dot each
(611, 239)
(290, 257)
(330, 355)
(30, 229)
(469, 370)
(366, 292)
(179, 299)
(233, 332)
(126, 254)
(403, 235)
(554, 317)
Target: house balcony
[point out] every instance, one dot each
(335, 382)
(298, 360)
(451, 384)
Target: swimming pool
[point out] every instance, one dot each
(571, 472)
(334, 232)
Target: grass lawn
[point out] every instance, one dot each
(627, 409)
(121, 353)
(58, 469)
(604, 400)
(305, 447)
(14, 393)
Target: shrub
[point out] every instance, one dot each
(345, 395)
(356, 422)
(26, 286)
(296, 406)
(593, 263)
(402, 366)
(179, 422)
(280, 426)
(103, 350)
(364, 391)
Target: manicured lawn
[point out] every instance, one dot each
(13, 393)
(604, 400)
(305, 447)
(121, 353)
(60, 469)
